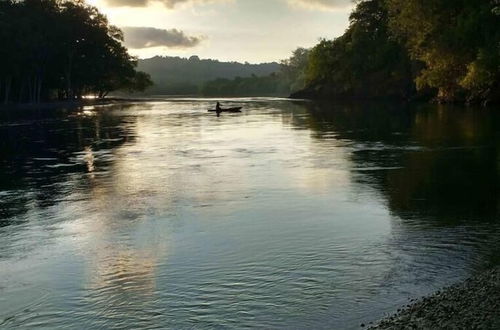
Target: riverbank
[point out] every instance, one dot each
(473, 304)
(66, 104)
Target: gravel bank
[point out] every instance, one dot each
(473, 304)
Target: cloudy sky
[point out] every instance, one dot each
(236, 30)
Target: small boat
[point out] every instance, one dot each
(235, 109)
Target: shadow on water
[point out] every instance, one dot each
(435, 162)
(40, 150)
(436, 166)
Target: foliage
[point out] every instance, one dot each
(294, 69)
(271, 85)
(63, 49)
(458, 40)
(290, 77)
(364, 62)
(392, 48)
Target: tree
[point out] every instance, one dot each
(458, 40)
(365, 62)
(61, 48)
(139, 82)
(294, 69)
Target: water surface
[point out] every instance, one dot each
(289, 215)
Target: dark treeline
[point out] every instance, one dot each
(270, 85)
(56, 49)
(290, 77)
(401, 49)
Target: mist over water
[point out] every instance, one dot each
(289, 215)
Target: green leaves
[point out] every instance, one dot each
(363, 63)
(392, 46)
(452, 38)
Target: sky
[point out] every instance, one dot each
(254, 31)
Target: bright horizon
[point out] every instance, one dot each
(253, 31)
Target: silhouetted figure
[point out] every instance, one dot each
(218, 109)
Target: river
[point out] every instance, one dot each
(290, 215)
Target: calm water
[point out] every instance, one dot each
(290, 215)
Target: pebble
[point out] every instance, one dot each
(473, 304)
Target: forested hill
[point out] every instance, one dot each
(183, 76)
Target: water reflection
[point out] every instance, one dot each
(291, 214)
(437, 168)
(39, 151)
(456, 178)
(429, 161)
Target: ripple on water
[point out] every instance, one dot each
(159, 215)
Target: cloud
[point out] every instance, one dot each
(311, 4)
(146, 37)
(144, 3)
(323, 4)
(126, 3)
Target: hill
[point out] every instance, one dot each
(184, 76)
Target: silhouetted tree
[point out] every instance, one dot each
(61, 48)
(364, 62)
(294, 69)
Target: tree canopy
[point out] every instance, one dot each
(61, 49)
(458, 40)
(449, 49)
(364, 62)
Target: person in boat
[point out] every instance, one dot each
(218, 109)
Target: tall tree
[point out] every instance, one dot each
(294, 69)
(365, 62)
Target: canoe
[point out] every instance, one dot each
(236, 109)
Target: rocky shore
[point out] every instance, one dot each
(473, 304)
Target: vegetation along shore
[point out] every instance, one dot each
(411, 49)
(47, 62)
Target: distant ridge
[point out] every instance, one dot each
(184, 76)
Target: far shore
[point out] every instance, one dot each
(67, 103)
(72, 104)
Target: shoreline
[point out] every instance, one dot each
(66, 104)
(471, 304)
(51, 105)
